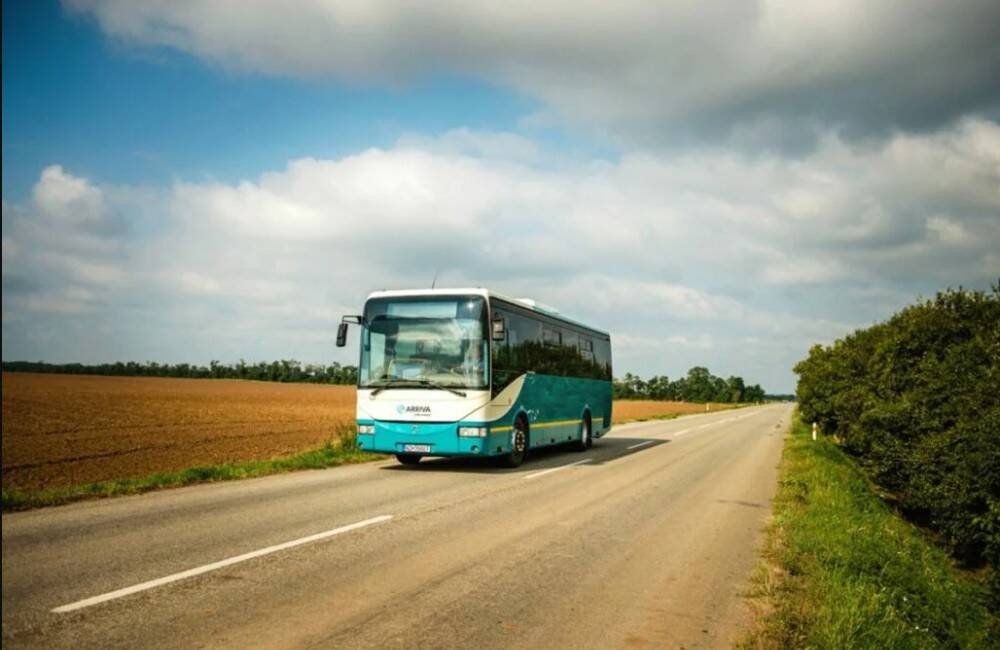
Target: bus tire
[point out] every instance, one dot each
(408, 459)
(518, 444)
(586, 440)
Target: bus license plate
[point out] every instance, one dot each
(417, 449)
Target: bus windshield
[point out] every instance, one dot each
(439, 340)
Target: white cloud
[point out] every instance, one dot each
(761, 72)
(196, 283)
(947, 230)
(63, 250)
(660, 345)
(682, 257)
(70, 300)
(65, 197)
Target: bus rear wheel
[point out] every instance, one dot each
(586, 438)
(408, 459)
(518, 445)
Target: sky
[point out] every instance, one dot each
(721, 184)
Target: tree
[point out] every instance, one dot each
(735, 389)
(699, 386)
(754, 393)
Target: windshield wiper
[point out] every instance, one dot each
(420, 382)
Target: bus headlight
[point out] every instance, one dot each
(366, 428)
(472, 432)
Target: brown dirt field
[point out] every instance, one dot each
(626, 410)
(61, 430)
(69, 429)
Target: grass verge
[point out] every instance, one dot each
(339, 450)
(842, 570)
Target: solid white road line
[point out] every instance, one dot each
(556, 469)
(112, 595)
(641, 444)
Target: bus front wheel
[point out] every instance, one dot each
(408, 459)
(518, 445)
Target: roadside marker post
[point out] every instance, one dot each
(814, 431)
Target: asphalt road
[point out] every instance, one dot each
(647, 540)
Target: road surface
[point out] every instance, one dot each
(647, 540)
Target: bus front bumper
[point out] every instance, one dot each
(431, 438)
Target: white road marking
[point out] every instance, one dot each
(682, 432)
(143, 586)
(556, 469)
(641, 444)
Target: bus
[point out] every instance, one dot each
(468, 372)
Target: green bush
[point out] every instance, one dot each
(917, 400)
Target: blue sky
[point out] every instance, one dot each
(718, 184)
(121, 113)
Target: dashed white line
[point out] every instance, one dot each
(556, 469)
(682, 432)
(190, 573)
(640, 444)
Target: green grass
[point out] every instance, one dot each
(337, 451)
(843, 570)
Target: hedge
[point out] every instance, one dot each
(916, 400)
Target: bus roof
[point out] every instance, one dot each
(524, 303)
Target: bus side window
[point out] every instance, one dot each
(501, 356)
(529, 336)
(602, 353)
(513, 357)
(551, 336)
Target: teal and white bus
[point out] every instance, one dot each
(467, 372)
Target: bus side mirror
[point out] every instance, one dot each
(499, 333)
(342, 329)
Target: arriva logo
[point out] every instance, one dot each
(413, 409)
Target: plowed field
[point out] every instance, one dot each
(69, 429)
(61, 430)
(626, 410)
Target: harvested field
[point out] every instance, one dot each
(69, 429)
(61, 430)
(626, 410)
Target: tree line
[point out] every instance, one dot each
(285, 370)
(699, 385)
(916, 400)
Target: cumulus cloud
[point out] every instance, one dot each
(64, 197)
(772, 73)
(63, 245)
(697, 250)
